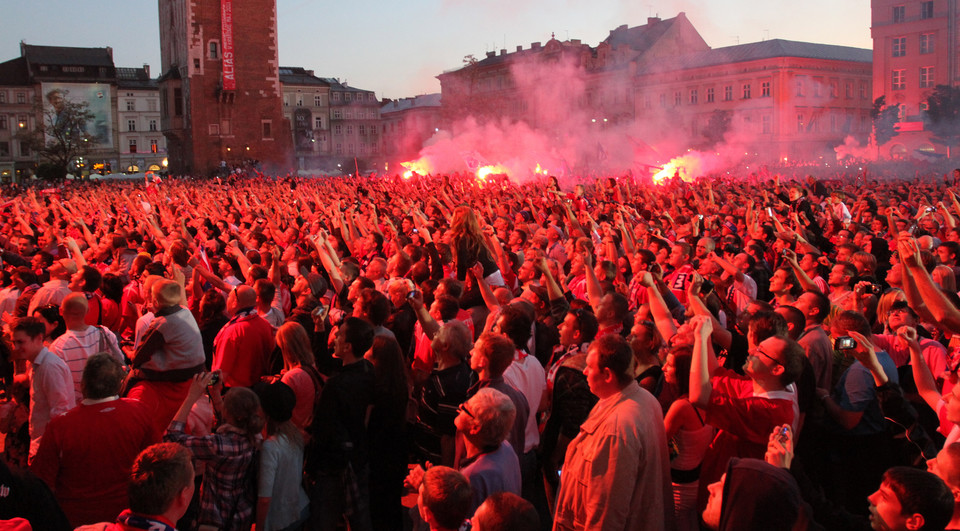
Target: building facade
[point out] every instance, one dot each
(306, 104)
(34, 81)
(220, 96)
(142, 146)
(662, 86)
(915, 48)
(782, 99)
(354, 127)
(406, 124)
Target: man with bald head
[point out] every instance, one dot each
(81, 340)
(242, 348)
(169, 353)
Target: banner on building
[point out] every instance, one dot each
(226, 39)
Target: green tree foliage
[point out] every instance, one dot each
(60, 137)
(942, 116)
(885, 117)
(717, 126)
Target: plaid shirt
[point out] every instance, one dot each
(228, 489)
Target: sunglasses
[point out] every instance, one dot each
(462, 408)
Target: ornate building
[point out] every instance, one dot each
(915, 48)
(220, 96)
(661, 85)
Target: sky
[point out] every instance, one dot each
(398, 47)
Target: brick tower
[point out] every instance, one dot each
(220, 97)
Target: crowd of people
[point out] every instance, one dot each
(450, 352)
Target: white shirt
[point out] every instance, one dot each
(526, 375)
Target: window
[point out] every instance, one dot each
(863, 90)
(21, 97)
(153, 146)
(728, 93)
(3, 122)
(898, 80)
(373, 114)
(24, 148)
(339, 149)
(373, 149)
(766, 124)
(833, 89)
(318, 122)
(663, 100)
(337, 114)
(133, 145)
(178, 102)
(131, 105)
(21, 121)
(338, 129)
(362, 130)
(927, 43)
(926, 77)
(131, 125)
(196, 63)
(926, 10)
(848, 90)
(899, 14)
(801, 85)
(899, 46)
(213, 129)
(336, 96)
(152, 105)
(677, 98)
(346, 96)
(4, 149)
(746, 91)
(765, 89)
(213, 48)
(710, 95)
(153, 125)
(693, 96)
(351, 149)
(3, 96)
(318, 100)
(348, 115)
(799, 123)
(267, 127)
(349, 129)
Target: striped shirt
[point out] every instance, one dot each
(75, 346)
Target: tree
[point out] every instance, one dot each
(885, 117)
(61, 137)
(716, 127)
(942, 116)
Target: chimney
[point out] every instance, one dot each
(622, 27)
(503, 51)
(146, 69)
(575, 42)
(110, 52)
(651, 21)
(491, 54)
(534, 45)
(309, 72)
(520, 48)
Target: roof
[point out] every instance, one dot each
(133, 78)
(417, 102)
(62, 55)
(639, 38)
(763, 50)
(295, 75)
(14, 72)
(335, 84)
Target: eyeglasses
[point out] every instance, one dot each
(462, 408)
(768, 356)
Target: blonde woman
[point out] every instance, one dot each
(299, 372)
